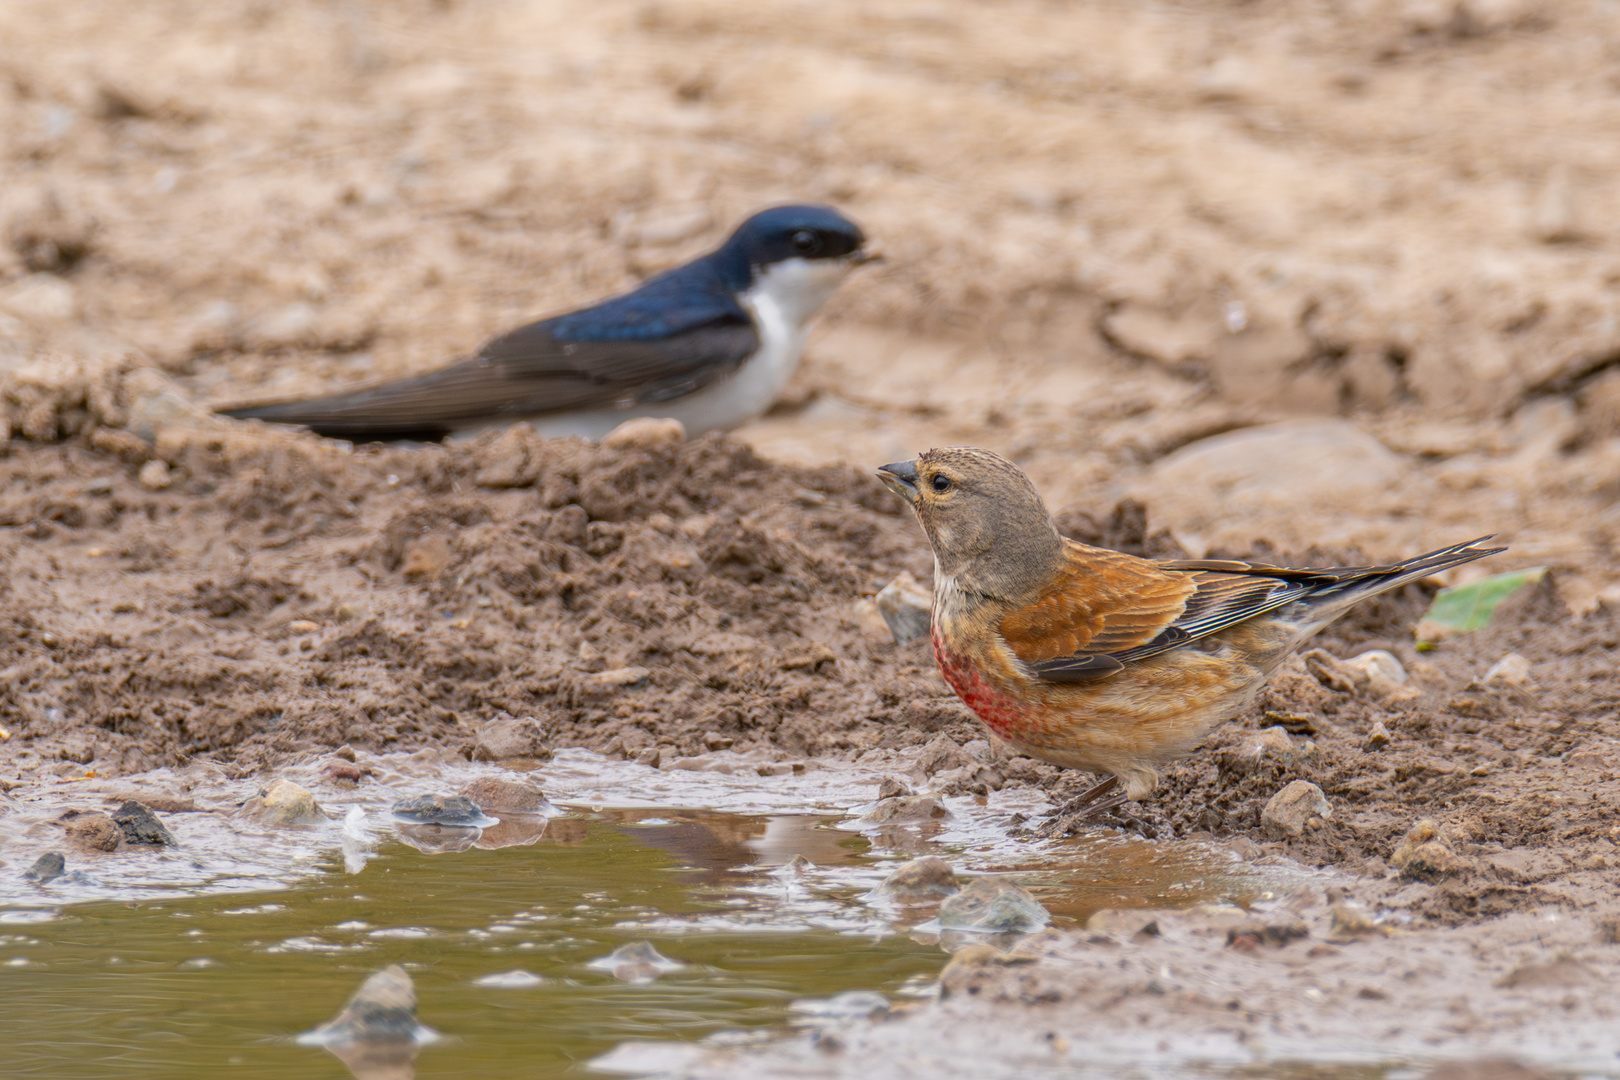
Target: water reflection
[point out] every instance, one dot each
(499, 926)
(514, 831)
(437, 839)
(722, 848)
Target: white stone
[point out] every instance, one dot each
(1511, 670)
(1289, 812)
(906, 607)
(645, 432)
(284, 803)
(154, 475)
(1380, 675)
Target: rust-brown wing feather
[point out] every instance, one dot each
(1104, 602)
(1109, 609)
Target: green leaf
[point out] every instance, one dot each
(1470, 607)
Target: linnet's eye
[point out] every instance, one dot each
(940, 482)
(806, 241)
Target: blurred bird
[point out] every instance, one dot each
(710, 343)
(1094, 659)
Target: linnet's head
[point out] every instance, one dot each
(980, 512)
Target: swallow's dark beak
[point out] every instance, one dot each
(901, 478)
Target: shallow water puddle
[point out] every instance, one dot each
(210, 959)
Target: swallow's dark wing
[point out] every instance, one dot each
(676, 334)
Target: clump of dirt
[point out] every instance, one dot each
(284, 594)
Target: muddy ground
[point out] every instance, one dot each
(280, 596)
(1300, 280)
(684, 603)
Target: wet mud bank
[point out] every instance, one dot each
(1198, 996)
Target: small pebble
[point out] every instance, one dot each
(154, 475)
(1272, 742)
(94, 832)
(284, 803)
(510, 980)
(1511, 670)
(1382, 676)
(619, 678)
(454, 810)
(48, 867)
(1293, 809)
(1350, 919)
(496, 796)
(906, 607)
(141, 826)
(890, 787)
(382, 1011)
(969, 963)
(645, 433)
(507, 737)
(904, 809)
(993, 905)
(636, 962)
(926, 880)
(1425, 853)
(1377, 737)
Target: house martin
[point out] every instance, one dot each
(710, 343)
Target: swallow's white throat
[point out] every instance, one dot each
(782, 299)
(796, 288)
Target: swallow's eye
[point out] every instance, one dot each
(805, 242)
(940, 482)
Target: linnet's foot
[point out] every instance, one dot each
(1095, 801)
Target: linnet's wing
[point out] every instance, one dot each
(1109, 609)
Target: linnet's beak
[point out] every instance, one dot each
(901, 478)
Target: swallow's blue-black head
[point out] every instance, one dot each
(805, 232)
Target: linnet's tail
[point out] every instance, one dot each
(1339, 587)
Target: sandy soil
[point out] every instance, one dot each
(1300, 279)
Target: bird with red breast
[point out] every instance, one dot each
(1094, 659)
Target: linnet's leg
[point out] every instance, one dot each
(1095, 800)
